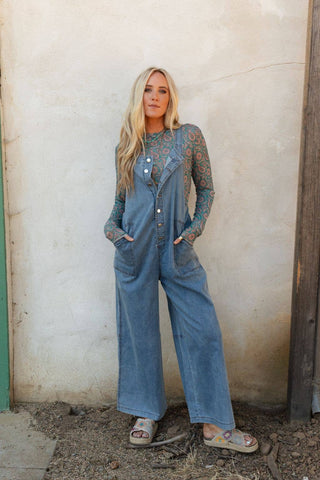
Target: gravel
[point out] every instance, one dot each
(92, 444)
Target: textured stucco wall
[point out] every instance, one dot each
(67, 70)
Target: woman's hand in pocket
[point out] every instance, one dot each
(177, 240)
(127, 237)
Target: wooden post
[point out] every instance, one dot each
(307, 247)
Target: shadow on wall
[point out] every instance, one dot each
(257, 374)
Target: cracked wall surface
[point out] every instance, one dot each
(67, 71)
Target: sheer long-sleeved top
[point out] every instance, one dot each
(196, 166)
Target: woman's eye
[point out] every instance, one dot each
(163, 91)
(147, 89)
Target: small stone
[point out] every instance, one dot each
(295, 454)
(281, 432)
(312, 443)
(62, 409)
(114, 465)
(173, 430)
(299, 435)
(167, 454)
(225, 452)
(76, 411)
(273, 437)
(265, 448)
(220, 463)
(291, 441)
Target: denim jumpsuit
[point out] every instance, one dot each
(155, 216)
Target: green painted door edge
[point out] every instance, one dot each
(4, 335)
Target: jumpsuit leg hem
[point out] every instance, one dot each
(140, 413)
(223, 425)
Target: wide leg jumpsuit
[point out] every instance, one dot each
(155, 216)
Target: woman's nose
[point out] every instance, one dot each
(155, 96)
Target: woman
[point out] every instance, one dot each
(153, 234)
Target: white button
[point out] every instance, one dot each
(146, 170)
(148, 160)
(158, 210)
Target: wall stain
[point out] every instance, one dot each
(258, 368)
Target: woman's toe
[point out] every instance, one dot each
(250, 440)
(140, 434)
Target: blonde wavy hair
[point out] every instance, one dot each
(133, 129)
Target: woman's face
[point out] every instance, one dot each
(156, 96)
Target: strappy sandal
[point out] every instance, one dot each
(233, 440)
(145, 425)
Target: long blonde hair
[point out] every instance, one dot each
(133, 130)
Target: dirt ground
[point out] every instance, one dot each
(92, 444)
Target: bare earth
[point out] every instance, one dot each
(92, 444)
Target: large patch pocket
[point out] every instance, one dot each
(124, 257)
(185, 258)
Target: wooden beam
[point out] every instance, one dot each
(307, 246)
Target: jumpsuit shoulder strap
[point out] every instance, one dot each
(178, 139)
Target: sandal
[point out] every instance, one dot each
(145, 425)
(233, 440)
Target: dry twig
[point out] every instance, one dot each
(158, 444)
(162, 465)
(271, 462)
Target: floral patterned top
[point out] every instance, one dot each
(196, 165)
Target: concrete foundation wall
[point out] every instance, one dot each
(67, 71)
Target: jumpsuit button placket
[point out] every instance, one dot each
(146, 169)
(147, 172)
(159, 218)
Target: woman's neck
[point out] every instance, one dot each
(154, 125)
